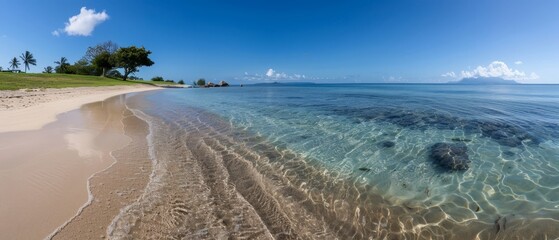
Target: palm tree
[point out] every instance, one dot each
(62, 64)
(48, 69)
(14, 63)
(28, 59)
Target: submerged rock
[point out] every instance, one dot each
(461, 140)
(364, 169)
(387, 144)
(450, 156)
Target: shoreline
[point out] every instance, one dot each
(51, 152)
(24, 110)
(115, 187)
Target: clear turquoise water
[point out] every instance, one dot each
(377, 138)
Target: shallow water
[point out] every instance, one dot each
(348, 161)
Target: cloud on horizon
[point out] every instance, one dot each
(495, 69)
(272, 75)
(82, 24)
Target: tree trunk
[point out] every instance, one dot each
(126, 72)
(103, 74)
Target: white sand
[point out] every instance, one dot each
(32, 109)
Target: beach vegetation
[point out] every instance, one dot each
(201, 82)
(62, 65)
(157, 79)
(14, 81)
(103, 62)
(48, 69)
(28, 59)
(14, 63)
(181, 82)
(93, 52)
(114, 74)
(82, 67)
(131, 59)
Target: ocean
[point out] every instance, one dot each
(349, 161)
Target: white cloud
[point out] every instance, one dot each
(449, 74)
(494, 69)
(270, 72)
(518, 62)
(84, 23)
(272, 75)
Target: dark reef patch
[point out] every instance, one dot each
(450, 156)
(461, 140)
(508, 153)
(505, 133)
(387, 144)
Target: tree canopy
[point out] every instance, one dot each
(201, 82)
(48, 69)
(14, 63)
(103, 61)
(94, 51)
(62, 65)
(130, 59)
(28, 59)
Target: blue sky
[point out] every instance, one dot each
(319, 41)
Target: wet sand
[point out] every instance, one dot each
(44, 173)
(115, 188)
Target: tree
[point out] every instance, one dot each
(157, 79)
(130, 59)
(201, 82)
(82, 67)
(62, 65)
(14, 63)
(181, 82)
(106, 47)
(28, 59)
(114, 74)
(48, 69)
(103, 61)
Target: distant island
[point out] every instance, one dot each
(485, 81)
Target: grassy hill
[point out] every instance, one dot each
(15, 81)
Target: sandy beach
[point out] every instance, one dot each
(53, 141)
(30, 109)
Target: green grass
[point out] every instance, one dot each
(15, 81)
